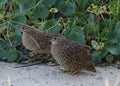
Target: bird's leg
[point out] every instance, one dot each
(33, 53)
(47, 57)
(51, 61)
(33, 57)
(41, 57)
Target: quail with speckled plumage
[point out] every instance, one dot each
(71, 56)
(36, 40)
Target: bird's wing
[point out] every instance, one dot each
(34, 41)
(78, 51)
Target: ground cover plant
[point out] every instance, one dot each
(95, 23)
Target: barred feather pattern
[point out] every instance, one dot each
(72, 56)
(36, 40)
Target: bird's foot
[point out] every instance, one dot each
(28, 61)
(64, 70)
(33, 53)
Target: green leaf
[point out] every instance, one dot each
(109, 58)
(3, 53)
(19, 19)
(81, 5)
(66, 8)
(3, 43)
(56, 5)
(27, 5)
(114, 8)
(99, 55)
(16, 38)
(76, 34)
(117, 30)
(16, 21)
(48, 2)
(78, 14)
(94, 43)
(96, 58)
(114, 49)
(12, 55)
(114, 40)
(41, 12)
(50, 23)
(53, 26)
(20, 54)
(103, 53)
(112, 37)
(41, 27)
(91, 18)
(2, 2)
(21, 1)
(56, 29)
(32, 20)
(117, 27)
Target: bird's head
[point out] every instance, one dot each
(56, 39)
(25, 28)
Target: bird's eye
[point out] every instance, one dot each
(23, 28)
(55, 38)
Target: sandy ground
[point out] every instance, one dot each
(44, 75)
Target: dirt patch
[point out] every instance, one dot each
(44, 75)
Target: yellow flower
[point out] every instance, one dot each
(53, 10)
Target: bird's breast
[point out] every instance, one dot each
(28, 43)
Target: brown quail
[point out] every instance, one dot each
(36, 40)
(71, 56)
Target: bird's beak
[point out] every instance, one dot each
(50, 39)
(21, 29)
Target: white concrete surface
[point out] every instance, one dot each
(44, 75)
